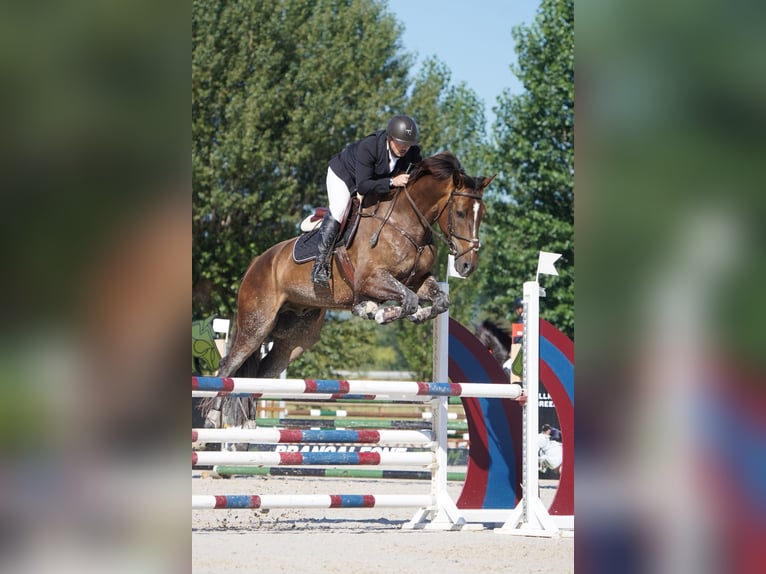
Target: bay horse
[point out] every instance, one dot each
(497, 338)
(388, 262)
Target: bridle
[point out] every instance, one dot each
(427, 242)
(474, 243)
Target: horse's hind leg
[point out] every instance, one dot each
(252, 330)
(292, 335)
(251, 333)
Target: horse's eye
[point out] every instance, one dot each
(460, 214)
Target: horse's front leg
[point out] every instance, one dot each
(382, 286)
(431, 291)
(365, 309)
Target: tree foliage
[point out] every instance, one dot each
(532, 204)
(343, 345)
(277, 89)
(451, 117)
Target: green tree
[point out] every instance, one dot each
(450, 117)
(531, 207)
(343, 346)
(276, 90)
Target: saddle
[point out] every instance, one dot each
(306, 247)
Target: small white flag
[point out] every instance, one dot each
(451, 272)
(545, 263)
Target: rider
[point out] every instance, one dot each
(365, 166)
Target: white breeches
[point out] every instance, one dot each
(338, 195)
(551, 453)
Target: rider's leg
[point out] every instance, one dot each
(328, 232)
(338, 196)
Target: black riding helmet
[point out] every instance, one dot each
(403, 130)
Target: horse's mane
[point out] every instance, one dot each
(496, 338)
(441, 166)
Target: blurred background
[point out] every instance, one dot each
(97, 236)
(95, 242)
(670, 449)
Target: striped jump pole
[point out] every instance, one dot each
(310, 501)
(209, 458)
(297, 436)
(225, 470)
(502, 463)
(361, 423)
(343, 413)
(336, 388)
(274, 395)
(436, 510)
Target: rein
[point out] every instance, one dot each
(384, 220)
(448, 240)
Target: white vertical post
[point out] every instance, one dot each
(531, 374)
(439, 409)
(441, 343)
(222, 326)
(530, 517)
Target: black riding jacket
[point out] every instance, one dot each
(363, 165)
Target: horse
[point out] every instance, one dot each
(384, 274)
(496, 338)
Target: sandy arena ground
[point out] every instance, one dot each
(358, 541)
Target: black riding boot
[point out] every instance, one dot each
(328, 232)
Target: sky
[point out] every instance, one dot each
(472, 37)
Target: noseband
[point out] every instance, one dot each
(474, 243)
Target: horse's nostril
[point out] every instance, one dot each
(467, 268)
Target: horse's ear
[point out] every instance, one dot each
(486, 181)
(458, 177)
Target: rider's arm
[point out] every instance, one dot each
(366, 179)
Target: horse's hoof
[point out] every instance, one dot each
(420, 315)
(366, 310)
(213, 419)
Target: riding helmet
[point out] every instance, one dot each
(403, 129)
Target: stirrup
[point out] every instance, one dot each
(320, 274)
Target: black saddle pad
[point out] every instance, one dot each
(306, 247)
